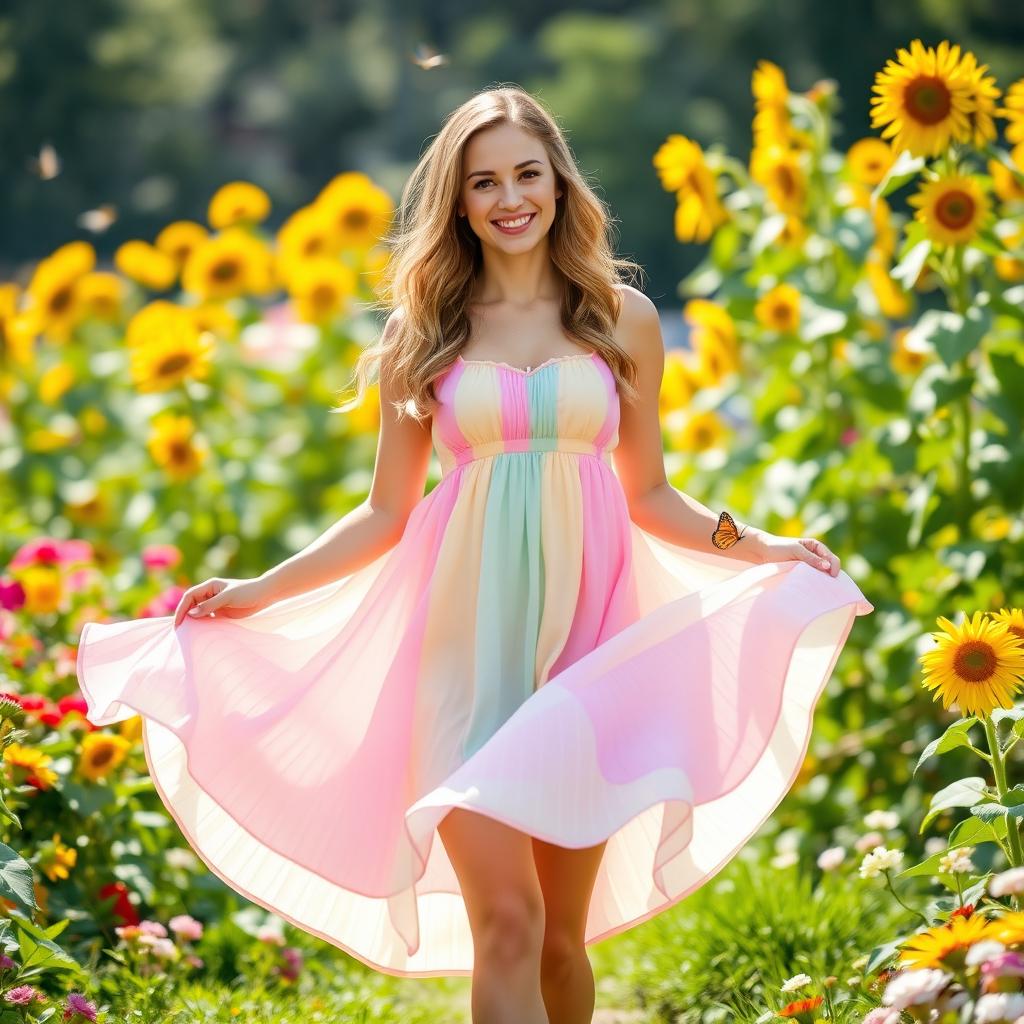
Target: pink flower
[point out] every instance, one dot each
(186, 926)
(52, 551)
(849, 435)
(12, 595)
(270, 933)
(23, 995)
(292, 962)
(163, 604)
(6, 963)
(79, 1006)
(148, 927)
(161, 556)
(194, 961)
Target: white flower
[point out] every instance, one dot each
(830, 859)
(785, 859)
(934, 844)
(958, 861)
(177, 857)
(984, 950)
(915, 987)
(868, 841)
(796, 982)
(1007, 882)
(882, 819)
(878, 860)
(882, 1015)
(997, 1006)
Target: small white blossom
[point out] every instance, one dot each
(934, 844)
(868, 841)
(998, 1006)
(785, 859)
(1007, 883)
(984, 950)
(830, 859)
(915, 987)
(958, 861)
(878, 860)
(796, 982)
(882, 819)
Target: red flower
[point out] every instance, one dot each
(965, 911)
(801, 1006)
(122, 907)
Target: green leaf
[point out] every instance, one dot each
(955, 736)
(951, 335)
(903, 169)
(880, 954)
(973, 832)
(16, 878)
(962, 793)
(929, 866)
(908, 269)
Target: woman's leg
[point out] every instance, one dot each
(567, 879)
(495, 867)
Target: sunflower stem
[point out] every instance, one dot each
(999, 772)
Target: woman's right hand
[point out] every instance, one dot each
(227, 598)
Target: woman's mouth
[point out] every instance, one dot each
(514, 225)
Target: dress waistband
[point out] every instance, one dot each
(532, 444)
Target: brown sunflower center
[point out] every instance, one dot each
(356, 219)
(313, 246)
(173, 364)
(180, 452)
(974, 661)
(101, 756)
(781, 313)
(323, 295)
(226, 270)
(955, 209)
(927, 99)
(785, 180)
(60, 299)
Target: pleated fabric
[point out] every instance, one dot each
(525, 651)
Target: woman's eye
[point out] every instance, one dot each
(482, 180)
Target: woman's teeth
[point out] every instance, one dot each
(515, 224)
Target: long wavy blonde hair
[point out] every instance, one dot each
(435, 258)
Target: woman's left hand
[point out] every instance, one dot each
(772, 548)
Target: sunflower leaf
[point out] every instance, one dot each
(904, 167)
(955, 736)
(908, 269)
(962, 793)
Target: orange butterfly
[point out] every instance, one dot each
(726, 534)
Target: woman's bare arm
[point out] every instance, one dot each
(374, 526)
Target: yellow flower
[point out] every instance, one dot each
(43, 588)
(215, 318)
(101, 753)
(682, 169)
(238, 202)
(73, 258)
(31, 762)
(57, 861)
(905, 359)
(1007, 267)
(88, 506)
(713, 340)
(975, 664)
(375, 262)
(1013, 618)
(174, 448)
(1008, 928)
(53, 297)
(55, 382)
(131, 728)
(179, 239)
(320, 287)
(779, 309)
(359, 210)
(869, 160)
(946, 945)
(145, 264)
(924, 99)
(678, 383)
(892, 300)
(702, 431)
(229, 264)
(1005, 183)
(1013, 111)
(308, 232)
(780, 171)
(953, 208)
(153, 319)
(101, 294)
(174, 351)
(984, 92)
(771, 118)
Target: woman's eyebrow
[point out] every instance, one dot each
(533, 160)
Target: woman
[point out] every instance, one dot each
(591, 687)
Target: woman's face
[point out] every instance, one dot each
(506, 177)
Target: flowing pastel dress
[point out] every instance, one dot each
(525, 651)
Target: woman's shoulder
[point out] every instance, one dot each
(638, 328)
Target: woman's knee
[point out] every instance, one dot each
(561, 951)
(511, 927)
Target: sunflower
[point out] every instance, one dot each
(55, 382)
(33, 762)
(924, 100)
(984, 93)
(174, 448)
(145, 264)
(101, 294)
(180, 238)
(214, 317)
(1006, 184)
(1013, 619)
(781, 172)
(16, 342)
(238, 202)
(976, 664)
(682, 169)
(892, 300)
(56, 863)
(906, 358)
(771, 124)
(53, 298)
(320, 288)
(779, 308)
(678, 383)
(1008, 928)
(953, 208)
(869, 160)
(701, 431)
(176, 350)
(101, 753)
(713, 340)
(1007, 267)
(73, 258)
(945, 946)
(1013, 111)
(151, 320)
(359, 211)
(308, 232)
(226, 265)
